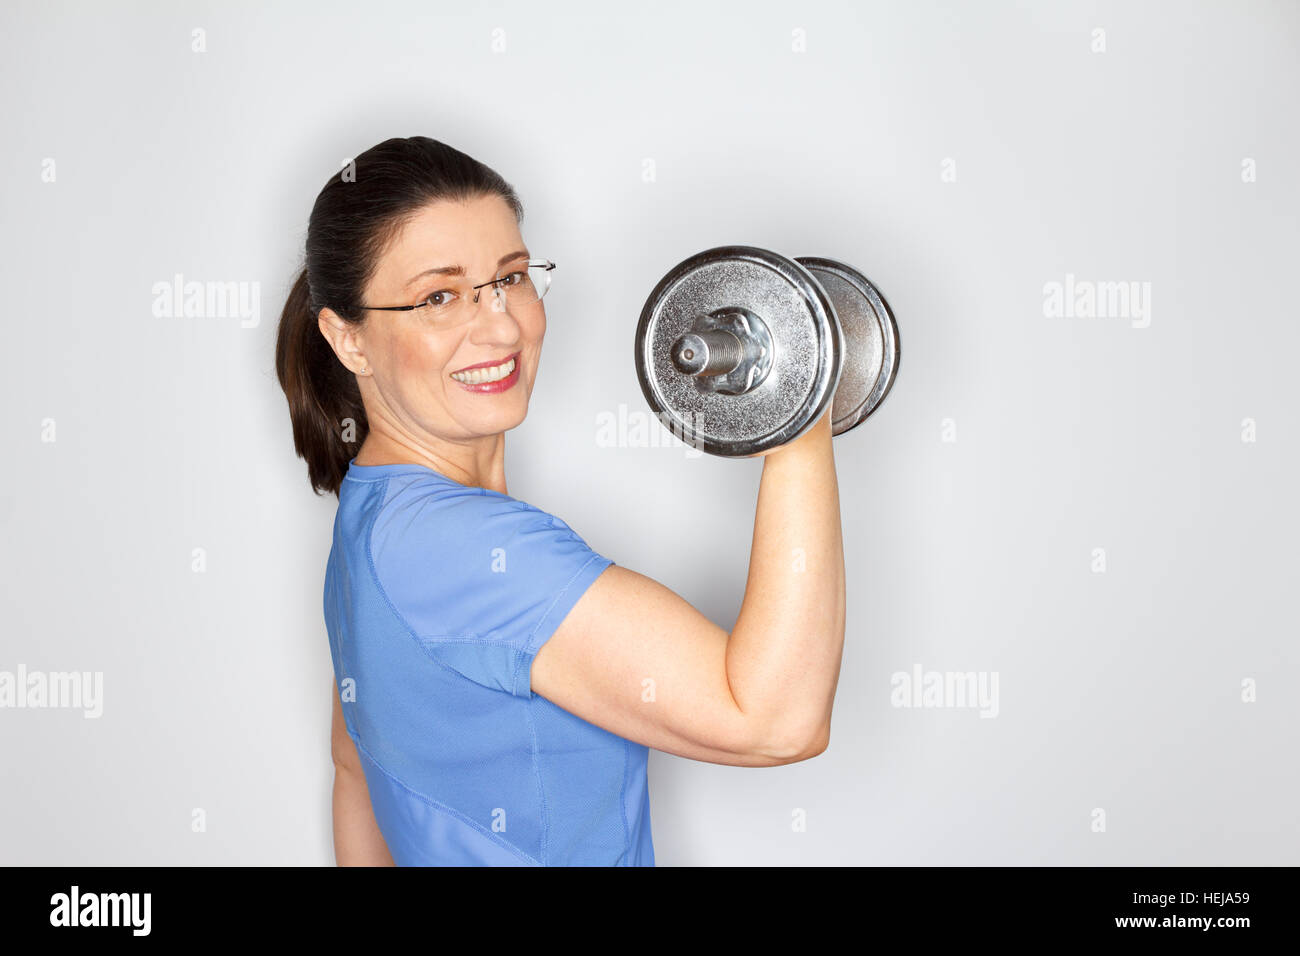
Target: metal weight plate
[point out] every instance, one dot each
(749, 286)
(871, 351)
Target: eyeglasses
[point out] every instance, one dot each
(455, 301)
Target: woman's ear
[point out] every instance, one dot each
(345, 339)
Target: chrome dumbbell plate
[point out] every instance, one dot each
(741, 349)
(870, 360)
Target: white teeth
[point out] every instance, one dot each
(479, 376)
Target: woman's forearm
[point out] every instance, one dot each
(357, 840)
(783, 656)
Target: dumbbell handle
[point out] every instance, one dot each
(714, 352)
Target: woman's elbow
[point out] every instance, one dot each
(796, 746)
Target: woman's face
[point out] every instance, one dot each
(415, 361)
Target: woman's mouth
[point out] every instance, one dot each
(489, 377)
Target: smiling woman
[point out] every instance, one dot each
(497, 683)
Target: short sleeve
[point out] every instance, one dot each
(481, 580)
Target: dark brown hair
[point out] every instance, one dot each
(352, 222)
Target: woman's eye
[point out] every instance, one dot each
(515, 278)
(439, 299)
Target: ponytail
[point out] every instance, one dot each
(329, 420)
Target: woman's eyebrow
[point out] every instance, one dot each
(460, 270)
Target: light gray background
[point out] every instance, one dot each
(1120, 691)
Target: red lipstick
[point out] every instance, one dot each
(490, 388)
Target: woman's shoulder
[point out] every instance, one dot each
(435, 545)
(420, 507)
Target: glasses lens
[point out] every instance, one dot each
(525, 284)
(521, 285)
(449, 305)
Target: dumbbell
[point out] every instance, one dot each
(740, 350)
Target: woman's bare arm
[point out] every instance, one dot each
(635, 658)
(357, 840)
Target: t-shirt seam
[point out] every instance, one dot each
(383, 592)
(520, 657)
(541, 783)
(428, 474)
(622, 799)
(438, 805)
(463, 637)
(529, 649)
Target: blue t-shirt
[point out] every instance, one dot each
(437, 598)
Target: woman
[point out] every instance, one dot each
(497, 682)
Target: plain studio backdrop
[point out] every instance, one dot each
(1094, 508)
